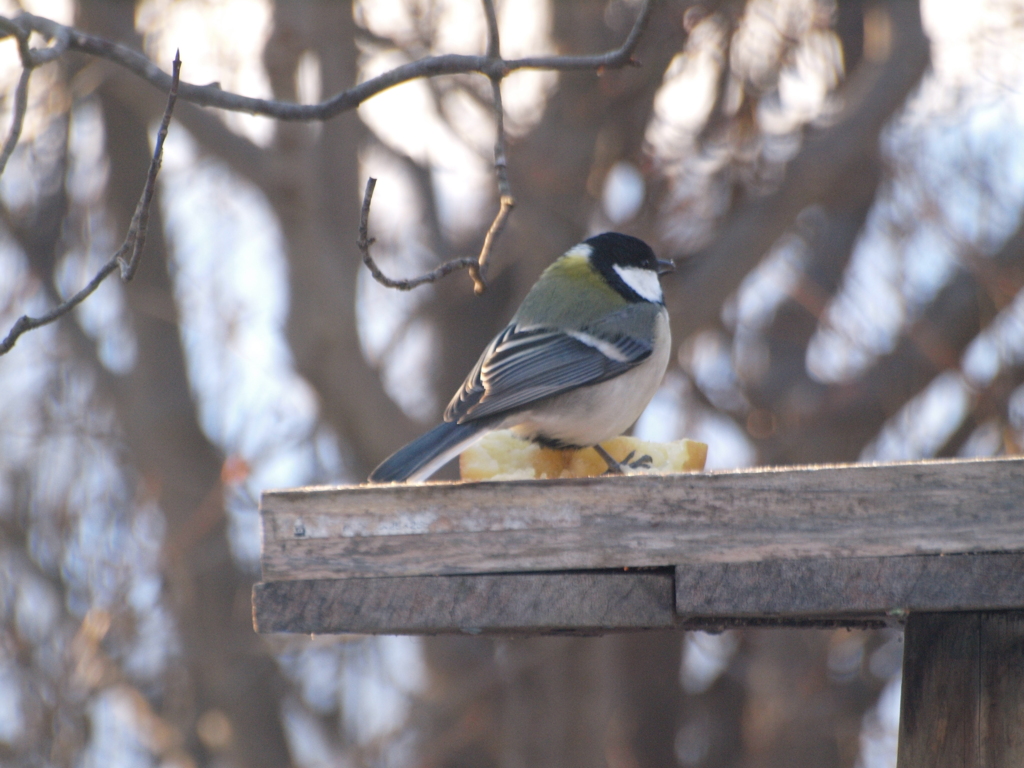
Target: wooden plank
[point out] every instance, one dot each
(963, 691)
(506, 603)
(878, 586)
(450, 528)
(816, 593)
(535, 603)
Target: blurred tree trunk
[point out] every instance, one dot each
(314, 188)
(227, 667)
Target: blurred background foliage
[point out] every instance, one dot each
(842, 182)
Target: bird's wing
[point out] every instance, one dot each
(524, 365)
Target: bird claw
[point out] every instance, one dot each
(623, 467)
(644, 462)
(614, 467)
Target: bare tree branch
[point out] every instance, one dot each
(478, 271)
(478, 266)
(493, 41)
(492, 65)
(140, 221)
(20, 93)
(33, 57)
(213, 96)
(17, 119)
(365, 242)
(30, 59)
(133, 243)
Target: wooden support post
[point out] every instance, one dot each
(963, 691)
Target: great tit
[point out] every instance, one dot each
(578, 363)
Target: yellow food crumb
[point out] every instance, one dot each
(503, 456)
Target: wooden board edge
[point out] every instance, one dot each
(566, 603)
(888, 587)
(583, 482)
(590, 602)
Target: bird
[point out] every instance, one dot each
(577, 364)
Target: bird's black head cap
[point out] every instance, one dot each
(613, 249)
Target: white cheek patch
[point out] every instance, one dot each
(643, 281)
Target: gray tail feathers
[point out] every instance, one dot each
(426, 454)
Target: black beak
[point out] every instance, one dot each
(664, 267)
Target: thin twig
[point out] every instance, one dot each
(493, 42)
(491, 65)
(133, 241)
(17, 119)
(364, 242)
(478, 271)
(20, 92)
(9, 27)
(30, 59)
(140, 221)
(620, 57)
(26, 323)
(431, 66)
(24, 25)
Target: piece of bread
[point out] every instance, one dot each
(503, 456)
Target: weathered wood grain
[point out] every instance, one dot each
(841, 592)
(963, 691)
(846, 511)
(1001, 709)
(878, 586)
(939, 700)
(506, 603)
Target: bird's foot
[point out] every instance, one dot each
(644, 462)
(614, 467)
(623, 467)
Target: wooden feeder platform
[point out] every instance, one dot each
(937, 546)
